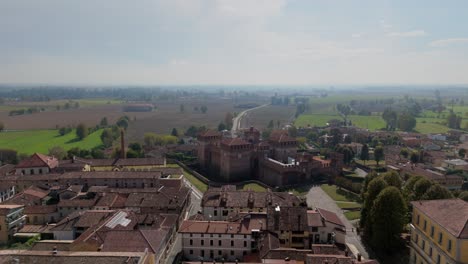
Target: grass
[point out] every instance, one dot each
(372, 122)
(353, 215)
(254, 187)
(31, 141)
(201, 186)
(348, 205)
(299, 190)
(371, 163)
(338, 194)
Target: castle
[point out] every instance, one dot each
(275, 161)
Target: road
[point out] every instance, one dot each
(236, 121)
(316, 197)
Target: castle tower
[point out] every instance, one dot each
(235, 159)
(283, 146)
(207, 141)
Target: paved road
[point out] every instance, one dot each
(236, 121)
(316, 197)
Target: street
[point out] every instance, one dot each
(316, 197)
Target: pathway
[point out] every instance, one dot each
(236, 121)
(316, 197)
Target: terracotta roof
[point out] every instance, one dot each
(5, 208)
(281, 136)
(330, 217)
(36, 228)
(165, 198)
(210, 133)
(139, 162)
(6, 169)
(451, 214)
(314, 218)
(234, 142)
(40, 209)
(243, 226)
(289, 218)
(112, 200)
(38, 160)
(86, 203)
(36, 191)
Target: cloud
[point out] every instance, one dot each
(408, 34)
(448, 42)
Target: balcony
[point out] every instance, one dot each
(16, 221)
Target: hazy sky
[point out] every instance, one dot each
(328, 42)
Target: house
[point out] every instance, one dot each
(12, 218)
(7, 190)
(36, 164)
(455, 164)
(439, 232)
(41, 214)
(325, 227)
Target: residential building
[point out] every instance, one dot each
(36, 164)
(325, 227)
(12, 218)
(439, 232)
(455, 164)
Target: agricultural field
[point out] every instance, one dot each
(369, 122)
(28, 142)
(259, 118)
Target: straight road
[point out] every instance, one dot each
(236, 121)
(316, 197)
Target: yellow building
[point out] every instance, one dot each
(439, 232)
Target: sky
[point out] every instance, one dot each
(234, 42)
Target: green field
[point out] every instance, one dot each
(353, 215)
(31, 141)
(254, 187)
(348, 205)
(339, 195)
(368, 122)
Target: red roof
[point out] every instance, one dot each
(38, 160)
(210, 133)
(234, 142)
(330, 217)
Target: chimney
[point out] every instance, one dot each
(122, 144)
(359, 257)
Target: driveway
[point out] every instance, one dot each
(236, 121)
(316, 197)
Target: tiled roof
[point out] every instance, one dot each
(234, 142)
(5, 208)
(165, 198)
(243, 226)
(330, 217)
(86, 203)
(281, 136)
(40, 209)
(210, 133)
(314, 218)
(38, 160)
(451, 214)
(245, 199)
(289, 218)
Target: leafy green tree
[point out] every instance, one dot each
(378, 154)
(406, 122)
(373, 189)
(122, 122)
(97, 153)
(393, 179)
(364, 153)
(104, 122)
(408, 188)
(404, 152)
(131, 154)
(388, 219)
(437, 192)
(107, 137)
(135, 146)
(461, 153)
(390, 118)
(453, 121)
(191, 131)
(221, 126)
(336, 137)
(58, 152)
(414, 157)
(174, 132)
(464, 196)
(81, 131)
(421, 187)
(312, 136)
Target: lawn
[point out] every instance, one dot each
(254, 187)
(31, 141)
(373, 122)
(353, 215)
(338, 194)
(348, 205)
(427, 127)
(202, 187)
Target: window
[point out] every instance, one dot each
(232, 236)
(211, 254)
(449, 246)
(219, 243)
(432, 231)
(191, 252)
(440, 238)
(211, 242)
(438, 258)
(202, 253)
(220, 253)
(202, 235)
(232, 243)
(417, 220)
(191, 235)
(219, 235)
(425, 225)
(423, 245)
(202, 242)
(245, 236)
(191, 242)
(430, 251)
(232, 252)
(211, 235)
(215, 213)
(245, 243)
(314, 229)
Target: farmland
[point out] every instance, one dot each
(31, 141)
(260, 118)
(368, 122)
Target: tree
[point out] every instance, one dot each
(464, 196)
(182, 108)
(204, 109)
(437, 192)
(364, 153)
(345, 110)
(103, 122)
(414, 157)
(270, 124)
(336, 137)
(135, 146)
(107, 137)
(58, 152)
(174, 132)
(122, 122)
(393, 179)
(372, 190)
(97, 153)
(2, 126)
(378, 154)
(388, 219)
(390, 118)
(421, 187)
(191, 131)
(150, 139)
(453, 121)
(404, 152)
(312, 136)
(408, 188)
(406, 122)
(81, 131)
(461, 153)
(348, 153)
(221, 126)
(131, 154)
(228, 120)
